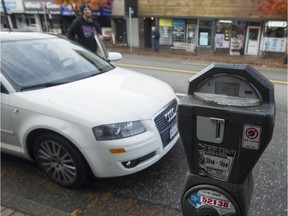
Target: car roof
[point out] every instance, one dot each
(20, 36)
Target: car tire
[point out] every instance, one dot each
(60, 160)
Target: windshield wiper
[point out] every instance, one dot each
(42, 85)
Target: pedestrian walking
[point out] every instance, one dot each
(84, 29)
(155, 37)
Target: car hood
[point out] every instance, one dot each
(115, 96)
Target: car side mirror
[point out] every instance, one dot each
(114, 56)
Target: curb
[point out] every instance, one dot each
(14, 205)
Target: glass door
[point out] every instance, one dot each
(191, 33)
(252, 42)
(205, 33)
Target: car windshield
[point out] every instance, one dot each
(31, 64)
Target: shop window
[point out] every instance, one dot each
(275, 29)
(30, 21)
(191, 36)
(165, 28)
(223, 33)
(178, 30)
(205, 32)
(238, 32)
(274, 37)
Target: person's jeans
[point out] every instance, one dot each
(156, 45)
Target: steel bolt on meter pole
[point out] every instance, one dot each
(225, 122)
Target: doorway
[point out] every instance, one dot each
(252, 42)
(121, 35)
(148, 23)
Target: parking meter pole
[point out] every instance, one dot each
(225, 123)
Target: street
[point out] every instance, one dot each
(156, 190)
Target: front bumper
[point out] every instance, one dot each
(138, 152)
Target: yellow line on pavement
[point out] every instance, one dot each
(279, 82)
(182, 71)
(156, 68)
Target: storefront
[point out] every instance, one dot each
(233, 37)
(230, 36)
(14, 10)
(42, 16)
(274, 38)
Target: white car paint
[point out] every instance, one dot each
(73, 109)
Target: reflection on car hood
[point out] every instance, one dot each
(115, 96)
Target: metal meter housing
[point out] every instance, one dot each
(225, 123)
(229, 112)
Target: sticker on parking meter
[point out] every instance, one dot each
(251, 137)
(211, 198)
(215, 162)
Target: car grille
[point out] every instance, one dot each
(166, 121)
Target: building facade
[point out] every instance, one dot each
(220, 26)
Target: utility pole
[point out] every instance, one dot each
(130, 26)
(44, 7)
(6, 15)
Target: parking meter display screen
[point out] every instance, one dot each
(227, 88)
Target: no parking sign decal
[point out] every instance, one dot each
(251, 137)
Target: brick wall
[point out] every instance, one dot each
(202, 8)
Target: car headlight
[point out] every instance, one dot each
(118, 130)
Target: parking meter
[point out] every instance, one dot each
(225, 122)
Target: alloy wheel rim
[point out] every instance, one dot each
(57, 162)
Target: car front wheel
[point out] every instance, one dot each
(60, 160)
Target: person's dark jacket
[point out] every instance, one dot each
(84, 30)
(156, 35)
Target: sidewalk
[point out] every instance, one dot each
(206, 57)
(14, 205)
(10, 212)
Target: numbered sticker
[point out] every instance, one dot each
(211, 198)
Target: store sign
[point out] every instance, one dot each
(67, 10)
(179, 29)
(12, 6)
(179, 23)
(36, 7)
(106, 10)
(165, 22)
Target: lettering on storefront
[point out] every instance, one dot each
(35, 7)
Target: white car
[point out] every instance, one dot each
(75, 113)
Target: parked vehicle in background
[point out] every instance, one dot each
(74, 113)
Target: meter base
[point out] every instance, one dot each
(220, 198)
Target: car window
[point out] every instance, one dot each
(41, 63)
(3, 89)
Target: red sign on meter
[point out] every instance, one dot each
(251, 137)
